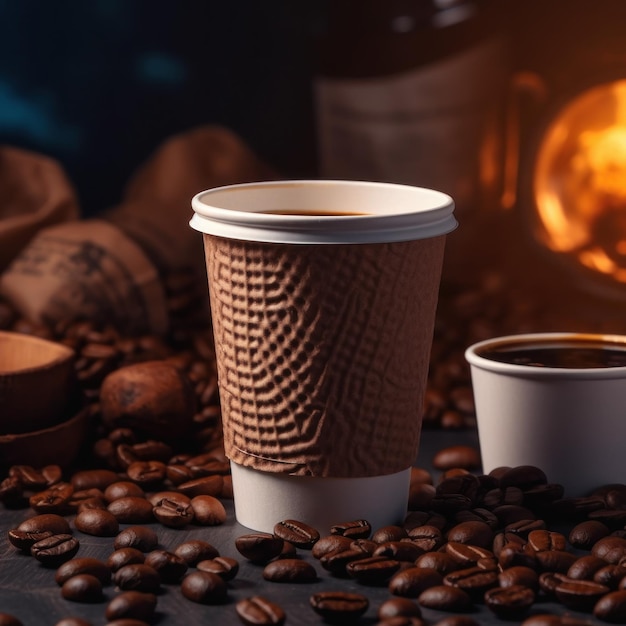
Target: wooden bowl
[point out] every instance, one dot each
(57, 445)
(37, 383)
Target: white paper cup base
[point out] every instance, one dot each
(262, 499)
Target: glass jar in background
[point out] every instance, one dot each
(412, 91)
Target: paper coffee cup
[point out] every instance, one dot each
(323, 324)
(568, 421)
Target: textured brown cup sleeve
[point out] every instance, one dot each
(323, 352)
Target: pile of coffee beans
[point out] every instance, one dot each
(508, 541)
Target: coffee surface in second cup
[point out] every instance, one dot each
(570, 355)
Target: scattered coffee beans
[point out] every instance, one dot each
(258, 611)
(204, 588)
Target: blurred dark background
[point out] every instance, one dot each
(98, 85)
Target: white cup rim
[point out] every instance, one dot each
(393, 212)
(473, 357)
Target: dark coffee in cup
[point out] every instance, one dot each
(579, 352)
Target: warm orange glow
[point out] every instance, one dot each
(580, 181)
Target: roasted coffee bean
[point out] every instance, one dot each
(208, 511)
(440, 561)
(123, 489)
(55, 499)
(409, 583)
(427, 538)
(34, 479)
(587, 533)
(224, 566)
(522, 528)
(204, 486)
(132, 510)
(373, 570)
(140, 537)
(54, 550)
(298, 533)
(93, 478)
(445, 598)
(501, 496)
(523, 477)
(330, 543)
(337, 561)
(25, 540)
(357, 529)
(154, 498)
(399, 550)
(132, 605)
(11, 489)
(7, 619)
(615, 497)
(511, 513)
(124, 556)
(473, 580)
(505, 539)
(466, 555)
(473, 533)
(461, 456)
(259, 611)
(366, 546)
(178, 474)
(514, 555)
(259, 547)
(82, 588)
(611, 549)
(137, 577)
(585, 567)
(97, 522)
(478, 514)
(174, 512)
(171, 568)
(152, 450)
(451, 504)
(87, 498)
(612, 518)
(579, 595)
(146, 473)
(610, 575)
(611, 607)
(555, 560)
(289, 571)
(548, 582)
(540, 540)
(83, 565)
(204, 588)
(195, 550)
(509, 602)
(389, 533)
(519, 575)
(464, 484)
(339, 607)
(399, 607)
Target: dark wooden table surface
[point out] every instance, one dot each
(28, 590)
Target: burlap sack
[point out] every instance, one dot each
(34, 193)
(112, 269)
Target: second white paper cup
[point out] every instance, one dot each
(571, 423)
